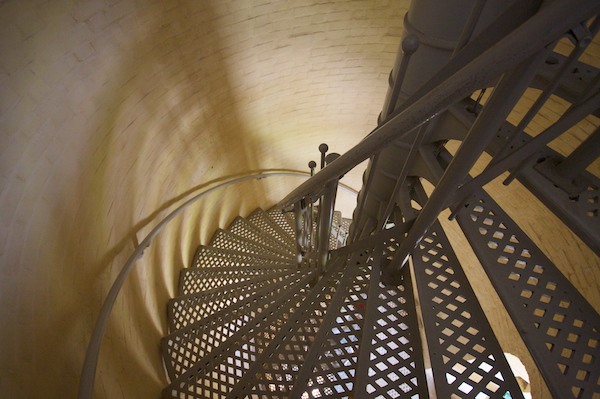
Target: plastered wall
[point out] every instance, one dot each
(112, 112)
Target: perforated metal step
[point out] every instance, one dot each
(263, 222)
(242, 227)
(275, 369)
(219, 371)
(194, 279)
(210, 257)
(466, 358)
(190, 309)
(183, 348)
(558, 325)
(224, 239)
(286, 223)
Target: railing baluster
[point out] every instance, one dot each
(325, 219)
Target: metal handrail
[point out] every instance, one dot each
(88, 374)
(547, 25)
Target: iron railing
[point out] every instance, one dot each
(511, 56)
(464, 76)
(514, 53)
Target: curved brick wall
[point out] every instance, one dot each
(111, 111)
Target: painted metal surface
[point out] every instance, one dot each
(561, 329)
(478, 70)
(221, 369)
(466, 358)
(391, 361)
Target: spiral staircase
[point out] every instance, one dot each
(247, 303)
(305, 304)
(297, 302)
(249, 322)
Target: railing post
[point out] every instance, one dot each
(326, 218)
(323, 148)
(409, 45)
(308, 222)
(299, 215)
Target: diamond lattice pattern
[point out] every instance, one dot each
(559, 326)
(333, 375)
(466, 357)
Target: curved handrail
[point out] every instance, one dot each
(88, 374)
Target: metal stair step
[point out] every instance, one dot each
(183, 348)
(329, 366)
(278, 364)
(194, 279)
(282, 220)
(224, 239)
(339, 231)
(192, 308)
(553, 318)
(291, 219)
(390, 363)
(261, 220)
(243, 228)
(461, 342)
(218, 371)
(209, 257)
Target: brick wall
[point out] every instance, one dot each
(112, 111)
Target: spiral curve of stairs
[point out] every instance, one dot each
(249, 323)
